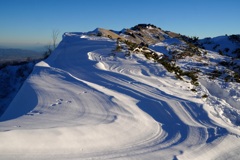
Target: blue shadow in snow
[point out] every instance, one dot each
(156, 108)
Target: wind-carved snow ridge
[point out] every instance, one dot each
(85, 103)
(224, 97)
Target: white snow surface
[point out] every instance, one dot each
(84, 103)
(220, 43)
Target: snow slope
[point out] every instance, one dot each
(85, 103)
(228, 45)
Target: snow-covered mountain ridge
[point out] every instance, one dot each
(110, 95)
(225, 45)
(145, 35)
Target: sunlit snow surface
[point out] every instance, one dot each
(84, 103)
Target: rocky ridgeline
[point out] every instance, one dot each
(139, 38)
(142, 33)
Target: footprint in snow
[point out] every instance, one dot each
(32, 113)
(60, 101)
(17, 126)
(83, 92)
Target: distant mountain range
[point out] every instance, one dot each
(18, 55)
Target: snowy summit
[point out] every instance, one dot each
(141, 93)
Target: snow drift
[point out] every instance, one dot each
(85, 103)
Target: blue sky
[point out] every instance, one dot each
(30, 22)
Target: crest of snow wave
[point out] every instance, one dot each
(82, 103)
(224, 97)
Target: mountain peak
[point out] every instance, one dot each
(143, 26)
(141, 33)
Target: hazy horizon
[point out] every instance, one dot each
(33, 47)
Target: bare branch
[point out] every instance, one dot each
(55, 34)
(48, 47)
